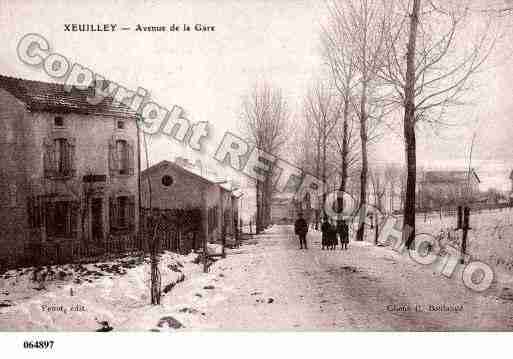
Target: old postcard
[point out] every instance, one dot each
(295, 165)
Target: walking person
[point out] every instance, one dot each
(344, 234)
(340, 233)
(325, 229)
(332, 235)
(301, 229)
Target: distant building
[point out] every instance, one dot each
(447, 188)
(68, 172)
(286, 208)
(283, 210)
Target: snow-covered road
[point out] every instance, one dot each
(271, 284)
(267, 283)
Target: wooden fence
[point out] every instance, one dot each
(178, 231)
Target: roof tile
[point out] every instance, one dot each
(52, 97)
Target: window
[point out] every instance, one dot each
(58, 121)
(97, 218)
(61, 218)
(62, 156)
(122, 156)
(122, 213)
(121, 124)
(59, 156)
(167, 180)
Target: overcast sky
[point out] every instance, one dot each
(207, 73)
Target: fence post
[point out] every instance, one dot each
(466, 215)
(376, 230)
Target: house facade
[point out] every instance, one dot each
(69, 168)
(285, 208)
(447, 188)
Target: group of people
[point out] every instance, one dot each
(331, 233)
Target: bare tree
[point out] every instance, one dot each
(265, 115)
(347, 148)
(432, 75)
(361, 27)
(322, 110)
(341, 63)
(378, 185)
(152, 238)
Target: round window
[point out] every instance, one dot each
(167, 180)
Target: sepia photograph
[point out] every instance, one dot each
(255, 166)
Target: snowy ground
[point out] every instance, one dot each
(490, 238)
(267, 283)
(81, 297)
(273, 285)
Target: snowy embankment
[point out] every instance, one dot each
(88, 297)
(490, 238)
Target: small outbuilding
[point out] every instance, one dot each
(194, 210)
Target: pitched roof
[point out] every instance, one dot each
(52, 97)
(179, 168)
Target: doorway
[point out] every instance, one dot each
(97, 218)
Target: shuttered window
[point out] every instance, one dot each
(121, 157)
(59, 157)
(61, 218)
(122, 213)
(62, 154)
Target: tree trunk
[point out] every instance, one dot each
(317, 173)
(409, 129)
(258, 219)
(324, 189)
(345, 150)
(363, 174)
(268, 198)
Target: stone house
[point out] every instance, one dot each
(447, 188)
(175, 188)
(68, 171)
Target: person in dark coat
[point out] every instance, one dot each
(343, 232)
(332, 237)
(325, 229)
(301, 229)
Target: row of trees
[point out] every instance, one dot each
(389, 60)
(265, 118)
(397, 65)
